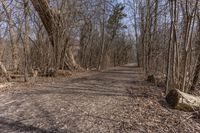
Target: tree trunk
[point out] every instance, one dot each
(26, 41)
(196, 75)
(55, 27)
(6, 74)
(70, 62)
(191, 18)
(13, 36)
(168, 77)
(102, 39)
(85, 37)
(182, 101)
(62, 59)
(136, 36)
(197, 68)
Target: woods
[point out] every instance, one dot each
(49, 36)
(168, 35)
(53, 35)
(99, 66)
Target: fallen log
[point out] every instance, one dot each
(16, 76)
(183, 101)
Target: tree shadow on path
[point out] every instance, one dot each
(9, 125)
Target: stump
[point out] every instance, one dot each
(183, 101)
(151, 79)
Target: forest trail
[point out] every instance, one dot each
(117, 100)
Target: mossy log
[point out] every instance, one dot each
(183, 101)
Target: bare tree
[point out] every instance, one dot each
(54, 24)
(12, 34)
(26, 40)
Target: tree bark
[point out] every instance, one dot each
(188, 45)
(102, 39)
(86, 33)
(6, 74)
(13, 37)
(196, 75)
(169, 62)
(136, 36)
(26, 42)
(197, 68)
(54, 24)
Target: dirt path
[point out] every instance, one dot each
(117, 100)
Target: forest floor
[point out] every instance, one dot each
(117, 100)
